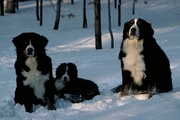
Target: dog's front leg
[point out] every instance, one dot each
(50, 92)
(28, 107)
(125, 90)
(149, 91)
(28, 99)
(50, 106)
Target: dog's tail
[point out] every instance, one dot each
(116, 89)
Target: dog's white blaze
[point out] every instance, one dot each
(133, 61)
(137, 30)
(66, 74)
(30, 46)
(34, 78)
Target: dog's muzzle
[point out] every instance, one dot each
(133, 31)
(30, 51)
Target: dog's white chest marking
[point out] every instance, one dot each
(133, 61)
(59, 84)
(34, 78)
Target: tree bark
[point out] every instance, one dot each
(58, 13)
(84, 15)
(109, 19)
(16, 4)
(133, 7)
(97, 24)
(115, 4)
(119, 13)
(41, 12)
(72, 1)
(10, 6)
(37, 10)
(2, 7)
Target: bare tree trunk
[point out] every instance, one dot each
(97, 24)
(72, 1)
(2, 7)
(84, 15)
(37, 10)
(41, 12)
(133, 7)
(115, 4)
(16, 4)
(119, 13)
(109, 19)
(58, 13)
(10, 6)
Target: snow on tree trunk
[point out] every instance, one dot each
(10, 6)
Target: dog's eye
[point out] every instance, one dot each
(139, 23)
(34, 42)
(131, 23)
(26, 42)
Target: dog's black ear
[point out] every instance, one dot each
(16, 40)
(74, 69)
(146, 28)
(60, 69)
(150, 30)
(43, 41)
(125, 30)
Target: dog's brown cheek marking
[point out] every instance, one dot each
(24, 51)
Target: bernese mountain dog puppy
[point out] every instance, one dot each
(35, 83)
(72, 88)
(144, 64)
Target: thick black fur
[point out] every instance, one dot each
(74, 89)
(24, 94)
(158, 73)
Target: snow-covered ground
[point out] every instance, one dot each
(72, 43)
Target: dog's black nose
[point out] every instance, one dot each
(65, 79)
(29, 51)
(133, 31)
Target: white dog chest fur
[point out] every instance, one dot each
(133, 61)
(34, 78)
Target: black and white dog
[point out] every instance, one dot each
(144, 64)
(35, 83)
(72, 88)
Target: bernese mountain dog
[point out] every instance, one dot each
(72, 88)
(144, 64)
(35, 83)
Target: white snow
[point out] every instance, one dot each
(72, 43)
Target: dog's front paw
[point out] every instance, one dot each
(51, 107)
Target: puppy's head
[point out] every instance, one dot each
(137, 29)
(66, 72)
(30, 44)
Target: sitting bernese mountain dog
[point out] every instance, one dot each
(35, 83)
(72, 88)
(144, 64)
